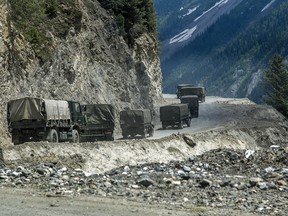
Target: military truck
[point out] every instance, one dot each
(136, 122)
(99, 122)
(179, 87)
(193, 104)
(36, 119)
(175, 115)
(199, 91)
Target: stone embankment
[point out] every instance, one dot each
(250, 181)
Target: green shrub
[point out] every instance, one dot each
(133, 17)
(35, 18)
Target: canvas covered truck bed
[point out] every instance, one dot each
(136, 122)
(175, 115)
(199, 91)
(193, 104)
(100, 122)
(30, 108)
(97, 114)
(132, 117)
(173, 111)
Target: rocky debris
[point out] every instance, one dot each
(221, 178)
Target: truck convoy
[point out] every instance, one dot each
(35, 119)
(136, 122)
(193, 104)
(175, 115)
(99, 122)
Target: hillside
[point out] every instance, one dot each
(74, 50)
(223, 45)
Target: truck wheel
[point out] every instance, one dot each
(17, 140)
(164, 126)
(189, 122)
(180, 125)
(75, 136)
(143, 134)
(110, 137)
(53, 136)
(151, 132)
(124, 136)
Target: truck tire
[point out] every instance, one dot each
(53, 136)
(180, 125)
(143, 133)
(124, 136)
(75, 136)
(151, 131)
(189, 122)
(110, 137)
(16, 139)
(164, 126)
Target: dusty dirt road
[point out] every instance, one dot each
(19, 202)
(223, 113)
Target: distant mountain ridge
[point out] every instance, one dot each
(195, 18)
(222, 44)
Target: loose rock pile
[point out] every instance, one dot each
(222, 178)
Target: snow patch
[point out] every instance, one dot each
(217, 4)
(268, 5)
(185, 35)
(190, 11)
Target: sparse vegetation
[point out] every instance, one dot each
(276, 77)
(133, 17)
(35, 18)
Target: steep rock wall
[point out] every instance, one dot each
(93, 65)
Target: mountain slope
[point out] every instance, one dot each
(228, 58)
(73, 50)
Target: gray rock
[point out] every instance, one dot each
(146, 181)
(186, 168)
(262, 185)
(254, 181)
(3, 176)
(205, 183)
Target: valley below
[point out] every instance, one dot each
(232, 160)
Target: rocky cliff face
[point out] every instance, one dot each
(90, 65)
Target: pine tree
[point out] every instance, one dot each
(276, 77)
(133, 17)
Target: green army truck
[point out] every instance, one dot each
(100, 122)
(36, 119)
(193, 104)
(175, 115)
(179, 87)
(136, 122)
(199, 91)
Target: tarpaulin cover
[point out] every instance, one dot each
(34, 108)
(173, 111)
(192, 91)
(24, 108)
(132, 117)
(192, 100)
(57, 109)
(99, 113)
